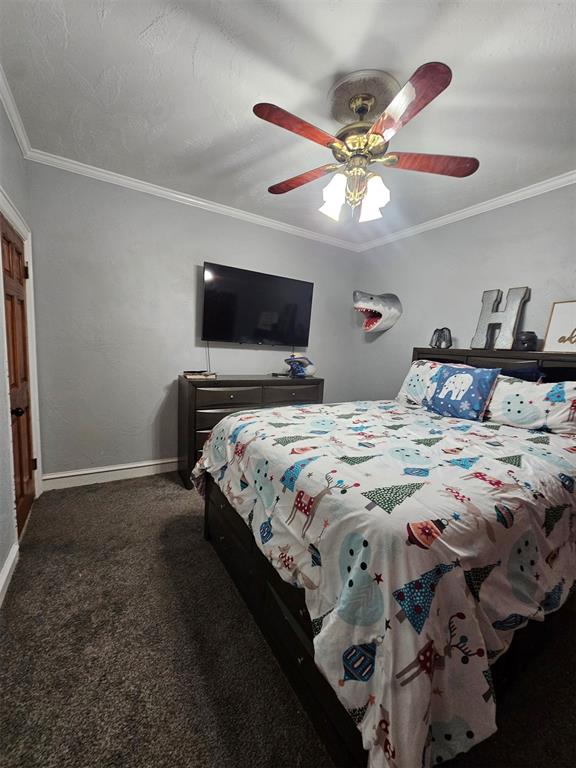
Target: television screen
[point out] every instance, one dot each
(253, 308)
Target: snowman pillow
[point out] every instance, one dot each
(547, 407)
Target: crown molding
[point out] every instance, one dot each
(13, 214)
(540, 188)
(73, 166)
(7, 99)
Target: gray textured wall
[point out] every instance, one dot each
(116, 276)
(440, 277)
(13, 182)
(12, 167)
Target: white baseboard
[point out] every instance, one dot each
(8, 570)
(75, 477)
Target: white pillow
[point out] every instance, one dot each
(415, 385)
(548, 406)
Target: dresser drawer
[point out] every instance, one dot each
(202, 404)
(235, 552)
(297, 393)
(233, 524)
(206, 396)
(201, 437)
(208, 418)
(292, 599)
(297, 641)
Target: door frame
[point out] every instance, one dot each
(17, 221)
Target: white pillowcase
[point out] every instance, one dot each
(415, 385)
(548, 406)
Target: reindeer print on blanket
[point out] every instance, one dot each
(422, 543)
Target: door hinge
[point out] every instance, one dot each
(26, 272)
(34, 464)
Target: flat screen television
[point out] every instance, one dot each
(248, 307)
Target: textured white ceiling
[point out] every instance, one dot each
(163, 91)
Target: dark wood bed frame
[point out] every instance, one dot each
(280, 609)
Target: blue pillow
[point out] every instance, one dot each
(460, 392)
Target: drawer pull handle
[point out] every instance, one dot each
(231, 397)
(293, 394)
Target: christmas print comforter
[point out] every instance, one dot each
(422, 543)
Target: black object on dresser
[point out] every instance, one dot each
(203, 402)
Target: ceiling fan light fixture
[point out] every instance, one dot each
(365, 141)
(334, 196)
(369, 212)
(377, 196)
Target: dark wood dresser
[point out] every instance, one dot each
(202, 403)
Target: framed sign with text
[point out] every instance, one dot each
(561, 332)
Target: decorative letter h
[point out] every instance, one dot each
(507, 318)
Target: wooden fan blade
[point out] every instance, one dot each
(446, 165)
(290, 122)
(425, 84)
(303, 178)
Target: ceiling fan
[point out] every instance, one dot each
(364, 142)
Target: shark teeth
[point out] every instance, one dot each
(373, 316)
(369, 310)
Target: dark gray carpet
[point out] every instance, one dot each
(122, 643)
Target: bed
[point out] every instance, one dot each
(389, 554)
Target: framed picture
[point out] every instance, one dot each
(561, 331)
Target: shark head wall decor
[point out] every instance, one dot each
(380, 311)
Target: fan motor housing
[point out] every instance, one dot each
(362, 93)
(354, 135)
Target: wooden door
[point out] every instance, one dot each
(15, 274)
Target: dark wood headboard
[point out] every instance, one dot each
(557, 366)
